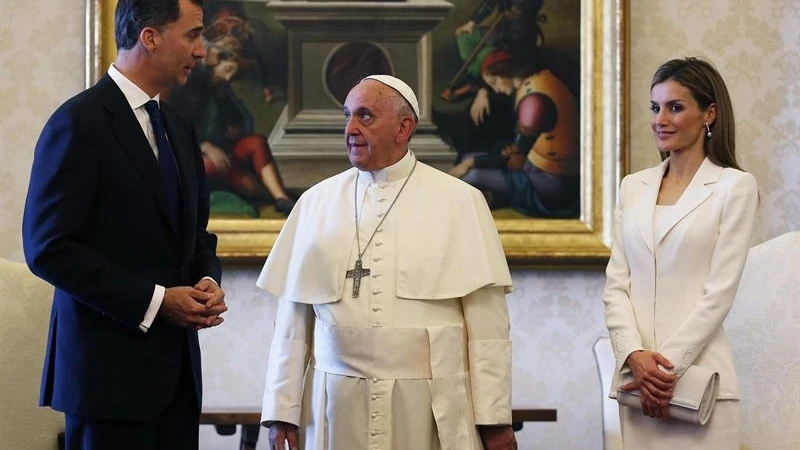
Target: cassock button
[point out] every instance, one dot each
(374, 415)
(375, 309)
(378, 243)
(376, 291)
(374, 381)
(377, 258)
(381, 200)
(380, 214)
(374, 397)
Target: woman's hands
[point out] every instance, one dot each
(655, 384)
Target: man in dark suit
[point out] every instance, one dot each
(115, 219)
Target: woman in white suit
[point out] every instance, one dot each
(681, 237)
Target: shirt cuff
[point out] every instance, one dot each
(152, 310)
(209, 278)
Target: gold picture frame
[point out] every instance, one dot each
(528, 242)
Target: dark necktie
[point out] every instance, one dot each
(166, 158)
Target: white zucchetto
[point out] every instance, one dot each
(401, 87)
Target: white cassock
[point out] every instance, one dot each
(422, 354)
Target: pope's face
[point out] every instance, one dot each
(372, 126)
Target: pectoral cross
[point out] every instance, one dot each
(356, 273)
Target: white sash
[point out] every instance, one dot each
(432, 353)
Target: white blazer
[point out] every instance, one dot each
(670, 293)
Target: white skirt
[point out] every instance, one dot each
(640, 432)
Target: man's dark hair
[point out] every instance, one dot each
(132, 16)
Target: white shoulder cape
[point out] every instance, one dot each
(447, 243)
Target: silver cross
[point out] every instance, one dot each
(356, 273)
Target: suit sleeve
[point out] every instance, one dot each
(204, 262)
(489, 348)
(727, 262)
(620, 318)
(288, 357)
(62, 187)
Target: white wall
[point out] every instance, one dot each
(556, 315)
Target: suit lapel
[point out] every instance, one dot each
(698, 191)
(134, 143)
(645, 202)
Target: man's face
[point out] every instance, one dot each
(180, 46)
(372, 126)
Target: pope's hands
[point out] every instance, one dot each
(500, 437)
(280, 433)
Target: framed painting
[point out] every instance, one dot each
(524, 99)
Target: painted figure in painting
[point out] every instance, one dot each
(229, 29)
(236, 158)
(486, 125)
(536, 172)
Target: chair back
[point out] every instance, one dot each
(764, 329)
(24, 317)
(604, 355)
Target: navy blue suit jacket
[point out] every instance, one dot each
(96, 227)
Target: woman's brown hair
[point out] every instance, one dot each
(707, 87)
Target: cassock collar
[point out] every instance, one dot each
(396, 171)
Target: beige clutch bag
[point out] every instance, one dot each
(694, 397)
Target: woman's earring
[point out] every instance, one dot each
(708, 130)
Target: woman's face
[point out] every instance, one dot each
(678, 122)
(500, 84)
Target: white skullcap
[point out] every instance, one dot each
(401, 87)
